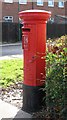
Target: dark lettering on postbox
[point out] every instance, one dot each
(26, 42)
(25, 38)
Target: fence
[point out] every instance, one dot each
(11, 33)
(56, 30)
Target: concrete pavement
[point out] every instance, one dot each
(8, 57)
(9, 111)
(11, 44)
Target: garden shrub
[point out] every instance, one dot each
(56, 83)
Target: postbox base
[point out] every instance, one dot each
(32, 98)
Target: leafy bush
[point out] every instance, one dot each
(56, 83)
(11, 71)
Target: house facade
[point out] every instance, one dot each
(10, 8)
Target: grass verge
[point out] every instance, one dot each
(11, 71)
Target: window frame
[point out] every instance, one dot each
(22, 2)
(8, 1)
(7, 18)
(50, 5)
(59, 5)
(40, 4)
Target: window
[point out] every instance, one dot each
(40, 2)
(51, 20)
(61, 3)
(22, 1)
(8, 18)
(51, 3)
(8, 1)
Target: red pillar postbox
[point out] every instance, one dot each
(34, 45)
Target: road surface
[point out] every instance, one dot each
(12, 49)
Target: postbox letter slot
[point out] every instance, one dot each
(26, 29)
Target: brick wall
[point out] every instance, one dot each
(0, 11)
(13, 8)
(10, 9)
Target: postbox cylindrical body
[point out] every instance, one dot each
(34, 45)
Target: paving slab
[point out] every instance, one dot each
(10, 57)
(11, 44)
(11, 112)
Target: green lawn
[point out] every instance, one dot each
(11, 71)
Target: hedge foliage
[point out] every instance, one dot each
(56, 82)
